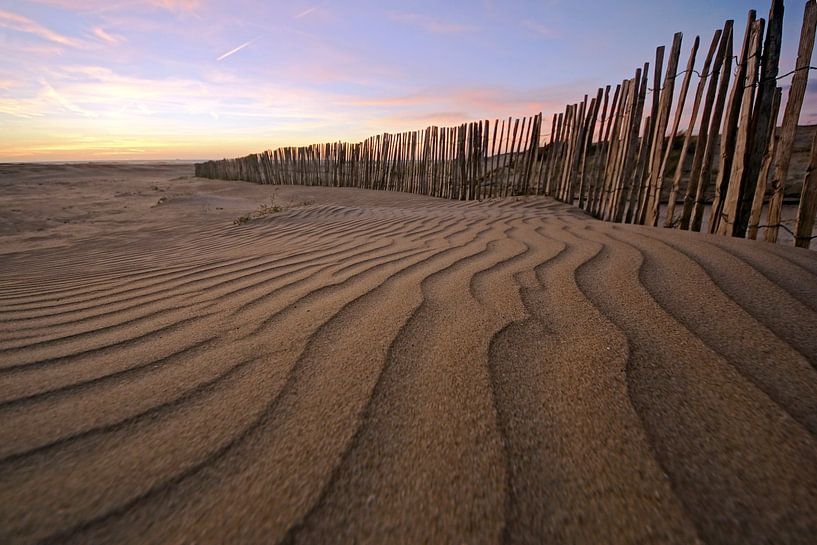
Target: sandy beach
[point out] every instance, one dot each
(200, 361)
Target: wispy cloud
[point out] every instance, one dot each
(65, 103)
(114, 97)
(177, 5)
(237, 49)
(102, 34)
(430, 24)
(538, 28)
(20, 107)
(156, 85)
(410, 100)
(98, 7)
(422, 119)
(20, 23)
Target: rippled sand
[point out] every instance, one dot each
(387, 368)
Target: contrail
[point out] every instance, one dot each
(306, 12)
(237, 49)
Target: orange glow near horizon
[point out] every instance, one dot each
(199, 79)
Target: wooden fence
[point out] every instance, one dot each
(609, 154)
(465, 162)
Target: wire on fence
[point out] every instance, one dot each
(785, 228)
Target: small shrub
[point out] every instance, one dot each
(265, 209)
(241, 220)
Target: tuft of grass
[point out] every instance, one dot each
(241, 220)
(265, 209)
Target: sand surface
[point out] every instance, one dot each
(367, 367)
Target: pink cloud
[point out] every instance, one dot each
(432, 25)
(178, 6)
(500, 101)
(452, 105)
(112, 39)
(390, 101)
(20, 23)
(400, 123)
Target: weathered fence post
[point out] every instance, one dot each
(790, 118)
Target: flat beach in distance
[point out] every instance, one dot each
(185, 360)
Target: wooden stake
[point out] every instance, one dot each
(714, 130)
(703, 132)
(790, 118)
(659, 132)
(640, 152)
(589, 130)
(729, 192)
(768, 160)
(762, 116)
(613, 153)
(679, 110)
(808, 202)
(600, 166)
(509, 159)
(492, 169)
(553, 155)
(631, 145)
(592, 173)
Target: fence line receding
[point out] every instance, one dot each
(621, 154)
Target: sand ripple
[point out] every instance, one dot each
(409, 370)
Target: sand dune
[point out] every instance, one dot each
(387, 368)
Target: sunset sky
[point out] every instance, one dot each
(191, 79)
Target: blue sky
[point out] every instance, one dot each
(146, 79)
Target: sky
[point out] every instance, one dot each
(198, 79)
